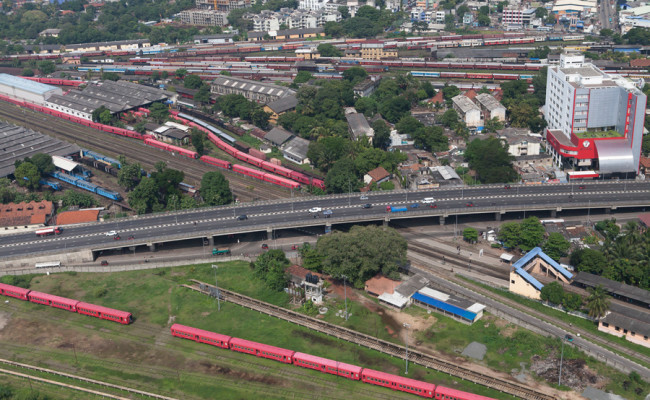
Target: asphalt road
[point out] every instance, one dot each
(607, 11)
(284, 213)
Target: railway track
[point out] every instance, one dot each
(114, 145)
(510, 387)
(459, 261)
(93, 382)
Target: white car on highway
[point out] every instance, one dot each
(315, 210)
(111, 233)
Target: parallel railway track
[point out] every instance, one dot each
(510, 387)
(114, 145)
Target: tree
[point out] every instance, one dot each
(428, 88)
(270, 267)
(532, 233)
(97, 112)
(589, 260)
(43, 163)
(450, 22)
(449, 118)
(355, 74)
(449, 91)
(345, 13)
(144, 197)
(328, 50)
(394, 109)
(106, 117)
(366, 105)
(27, 175)
(27, 72)
(552, 292)
(483, 20)
(362, 253)
(192, 81)
(556, 246)
(46, 67)
(302, 77)
(509, 234)
(342, 177)
(646, 143)
(470, 235)
(597, 302)
(180, 73)
(260, 118)
(215, 189)
(491, 161)
(541, 12)
(333, 29)
(129, 176)
(572, 301)
(461, 11)
(159, 112)
(381, 139)
(203, 94)
(197, 141)
(608, 228)
(493, 125)
(110, 76)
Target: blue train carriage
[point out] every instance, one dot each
(108, 193)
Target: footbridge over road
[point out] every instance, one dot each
(205, 224)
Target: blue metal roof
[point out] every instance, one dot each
(529, 278)
(444, 306)
(25, 84)
(537, 252)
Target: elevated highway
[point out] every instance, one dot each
(271, 216)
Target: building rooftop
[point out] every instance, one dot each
(77, 217)
(253, 86)
(278, 136)
(488, 101)
(464, 103)
(598, 134)
(25, 84)
(358, 125)
(641, 328)
(619, 288)
(378, 174)
(32, 213)
(587, 71)
(297, 147)
(379, 284)
(283, 104)
(118, 43)
(17, 142)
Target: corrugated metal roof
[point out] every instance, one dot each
(615, 156)
(537, 252)
(444, 306)
(25, 84)
(64, 163)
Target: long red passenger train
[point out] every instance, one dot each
(64, 303)
(353, 372)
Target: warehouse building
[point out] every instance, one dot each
(26, 90)
(253, 90)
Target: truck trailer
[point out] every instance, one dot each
(49, 231)
(396, 209)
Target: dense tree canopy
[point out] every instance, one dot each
(215, 189)
(491, 161)
(362, 253)
(270, 267)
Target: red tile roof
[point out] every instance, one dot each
(644, 162)
(471, 94)
(645, 219)
(77, 217)
(378, 174)
(640, 62)
(379, 285)
(297, 270)
(32, 213)
(438, 98)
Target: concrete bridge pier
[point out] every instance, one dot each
(152, 247)
(210, 241)
(442, 220)
(497, 216)
(553, 213)
(269, 233)
(386, 220)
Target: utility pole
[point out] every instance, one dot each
(345, 291)
(216, 286)
(407, 326)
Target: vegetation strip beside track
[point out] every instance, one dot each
(426, 360)
(76, 377)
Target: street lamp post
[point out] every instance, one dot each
(407, 326)
(216, 286)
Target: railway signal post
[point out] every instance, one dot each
(407, 326)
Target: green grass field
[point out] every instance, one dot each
(143, 355)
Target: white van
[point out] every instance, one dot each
(428, 200)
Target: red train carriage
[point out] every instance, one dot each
(201, 336)
(443, 393)
(110, 314)
(216, 162)
(328, 366)
(276, 180)
(184, 152)
(14, 291)
(248, 171)
(262, 350)
(395, 382)
(318, 183)
(277, 169)
(53, 301)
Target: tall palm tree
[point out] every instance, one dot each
(597, 302)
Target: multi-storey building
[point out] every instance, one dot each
(253, 90)
(293, 19)
(376, 51)
(512, 16)
(469, 112)
(312, 5)
(222, 5)
(595, 121)
(204, 17)
(490, 107)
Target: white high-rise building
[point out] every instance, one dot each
(312, 5)
(595, 121)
